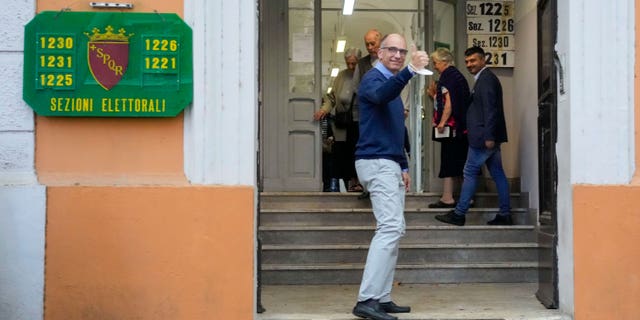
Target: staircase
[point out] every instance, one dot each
(323, 238)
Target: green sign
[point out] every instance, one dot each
(107, 64)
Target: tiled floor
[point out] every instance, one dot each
(458, 301)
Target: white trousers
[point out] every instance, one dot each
(383, 179)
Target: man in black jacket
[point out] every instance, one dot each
(486, 131)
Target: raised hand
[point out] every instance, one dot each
(419, 58)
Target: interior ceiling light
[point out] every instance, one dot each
(340, 46)
(348, 7)
(329, 90)
(334, 72)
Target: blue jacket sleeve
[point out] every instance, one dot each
(381, 91)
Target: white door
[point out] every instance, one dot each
(291, 153)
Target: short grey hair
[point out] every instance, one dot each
(442, 54)
(353, 52)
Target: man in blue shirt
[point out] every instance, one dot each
(382, 168)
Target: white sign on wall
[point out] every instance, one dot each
(491, 26)
(494, 42)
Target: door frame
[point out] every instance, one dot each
(549, 71)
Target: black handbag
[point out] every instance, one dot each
(342, 119)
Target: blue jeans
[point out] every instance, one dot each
(476, 157)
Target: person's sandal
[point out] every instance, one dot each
(441, 204)
(356, 188)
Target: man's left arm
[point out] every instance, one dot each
(490, 110)
(381, 91)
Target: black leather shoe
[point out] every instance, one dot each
(451, 218)
(375, 312)
(441, 204)
(390, 307)
(501, 220)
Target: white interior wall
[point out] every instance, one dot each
(509, 150)
(600, 60)
(221, 125)
(22, 200)
(526, 97)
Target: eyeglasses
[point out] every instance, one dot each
(394, 50)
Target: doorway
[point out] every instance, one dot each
(291, 154)
(298, 50)
(291, 141)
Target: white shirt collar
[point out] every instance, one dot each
(477, 75)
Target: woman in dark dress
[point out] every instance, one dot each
(451, 99)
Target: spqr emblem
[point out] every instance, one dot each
(108, 55)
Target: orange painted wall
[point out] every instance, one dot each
(149, 253)
(606, 255)
(99, 151)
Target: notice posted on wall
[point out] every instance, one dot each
(302, 47)
(491, 26)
